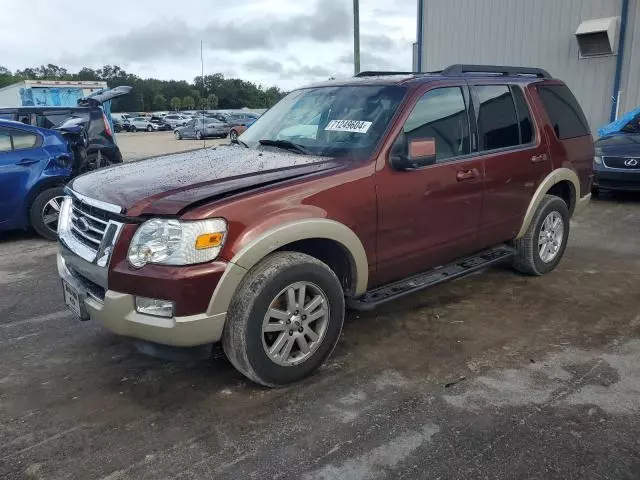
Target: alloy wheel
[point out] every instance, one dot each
(51, 213)
(550, 237)
(295, 323)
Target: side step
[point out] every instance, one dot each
(430, 278)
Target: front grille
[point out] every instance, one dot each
(630, 163)
(88, 224)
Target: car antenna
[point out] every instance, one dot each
(204, 137)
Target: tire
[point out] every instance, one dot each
(198, 135)
(41, 209)
(595, 192)
(178, 136)
(233, 135)
(528, 258)
(149, 128)
(245, 342)
(133, 129)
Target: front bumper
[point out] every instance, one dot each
(616, 179)
(117, 312)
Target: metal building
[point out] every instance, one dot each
(593, 45)
(47, 93)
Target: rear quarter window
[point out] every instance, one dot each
(564, 111)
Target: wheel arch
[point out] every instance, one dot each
(40, 187)
(563, 183)
(321, 238)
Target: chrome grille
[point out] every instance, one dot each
(631, 163)
(87, 226)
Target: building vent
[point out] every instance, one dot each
(598, 37)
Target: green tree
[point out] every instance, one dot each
(176, 103)
(188, 103)
(159, 102)
(212, 101)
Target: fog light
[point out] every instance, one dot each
(154, 306)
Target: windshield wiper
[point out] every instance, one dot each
(286, 144)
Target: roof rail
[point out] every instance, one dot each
(460, 69)
(373, 73)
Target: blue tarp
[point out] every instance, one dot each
(619, 124)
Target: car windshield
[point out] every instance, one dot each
(329, 121)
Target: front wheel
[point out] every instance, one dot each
(177, 134)
(149, 128)
(284, 320)
(133, 129)
(541, 248)
(198, 135)
(45, 211)
(233, 136)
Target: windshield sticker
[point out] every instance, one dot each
(354, 126)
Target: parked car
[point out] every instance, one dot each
(35, 164)
(88, 114)
(237, 130)
(176, 120)
(145, 123)
(617, 163)
(200, 128)
(409, 181)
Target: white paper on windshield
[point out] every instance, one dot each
(355, 126)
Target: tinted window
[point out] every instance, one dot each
(564, 112)
(22, 140)
(5, 141)
(6, 116)
(52, 119)
(524, 116)
(497, 122)
(441, 114)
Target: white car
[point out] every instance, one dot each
(176, 120)
(143, 123)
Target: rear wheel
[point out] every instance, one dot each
(233, 135)
(45, 211)
(133, 129)
(198, 135)
(541, 248)
(149, 128)
(284, 320)
(177, 134)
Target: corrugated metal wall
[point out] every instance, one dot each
(534, 33)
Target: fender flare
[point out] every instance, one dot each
(278, 237)
(557, 176)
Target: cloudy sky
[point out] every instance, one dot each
(271, 42)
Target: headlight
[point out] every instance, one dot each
(597, 160)
(175, 242)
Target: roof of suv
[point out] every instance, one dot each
(511, 73)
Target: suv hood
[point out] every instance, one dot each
(168, 184)
(621, 144)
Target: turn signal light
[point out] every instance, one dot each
(209, 240)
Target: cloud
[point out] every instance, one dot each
(264, 65)
(328, 22)
(373, 61)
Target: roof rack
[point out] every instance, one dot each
(373, 73)
(460, 69)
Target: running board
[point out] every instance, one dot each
(430, 278)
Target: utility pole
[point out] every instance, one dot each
(356, 37)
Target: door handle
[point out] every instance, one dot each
(469, 174)
(539, 158)
(27, 161)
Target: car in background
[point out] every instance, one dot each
(176, 120)
(617, 162)
(88, 114)
(200, 128)
(238, 130)
(145, 123)
(35, 164)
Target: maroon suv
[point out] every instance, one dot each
(351, 192)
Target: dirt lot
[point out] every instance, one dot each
(139, 145)
(494, 376)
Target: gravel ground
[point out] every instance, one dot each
(497, 375)
(139, 145)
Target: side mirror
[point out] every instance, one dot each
(416, 153)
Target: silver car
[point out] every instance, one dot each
(176, 120)
(199, 128)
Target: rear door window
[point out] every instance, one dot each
(5, 141)
(564, 112)
(23, 140)
(497, 120)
